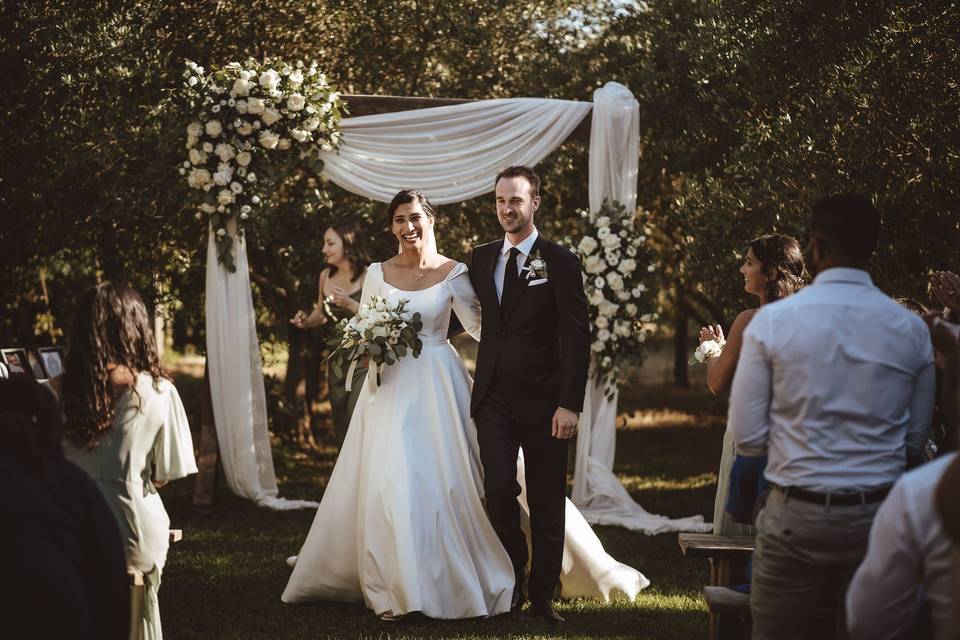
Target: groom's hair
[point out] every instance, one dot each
(520, 171)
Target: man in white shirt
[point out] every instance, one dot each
(907, 564)
(834, 384)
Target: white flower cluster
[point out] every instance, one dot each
(709, 349)
(611, 251)
(379, 331)
(242, 112)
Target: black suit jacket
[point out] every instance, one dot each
(537, 347)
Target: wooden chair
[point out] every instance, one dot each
(728, 556)
(137, 589)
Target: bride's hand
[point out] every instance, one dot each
(709, 333)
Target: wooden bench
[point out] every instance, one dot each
(728, 556)
(137, 588)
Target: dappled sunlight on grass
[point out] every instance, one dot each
(660, 418)
(639, 483)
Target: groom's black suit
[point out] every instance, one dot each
(533, 357)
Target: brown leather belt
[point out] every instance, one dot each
(834, 499)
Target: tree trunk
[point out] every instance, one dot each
(681, 376)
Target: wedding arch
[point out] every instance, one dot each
(449, 149)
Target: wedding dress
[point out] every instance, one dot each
(402, 526)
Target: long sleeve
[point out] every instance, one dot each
(749, 415)
(371, 283)
(883, 598)
(573, 316)
(465, 302)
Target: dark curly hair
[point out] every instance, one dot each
(407, 196)
(354, 248)
(111, 327)
(782, 256)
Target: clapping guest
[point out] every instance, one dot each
(341, 282)
(126, 427)
(772, 269)
(834, 384)
(63, 572)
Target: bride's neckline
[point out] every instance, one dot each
(435, 284)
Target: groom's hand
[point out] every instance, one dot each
(564, 423)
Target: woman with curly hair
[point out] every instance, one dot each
(126, 427)
(773, 269)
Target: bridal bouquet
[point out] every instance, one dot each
(709, 349)
(617, 263)
(380, 332)
(250, 122)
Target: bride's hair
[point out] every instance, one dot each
(782, 256)
(407, 196)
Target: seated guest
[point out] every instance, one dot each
(907, 566)
(62, 572)
(834, 383)
(772, 269)
(126, 427)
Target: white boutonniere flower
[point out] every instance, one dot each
(536, 267)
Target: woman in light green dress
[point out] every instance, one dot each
(127, 429)
(340, 284)
(773, 269)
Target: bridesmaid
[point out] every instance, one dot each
(773, 269)
(127, 429)
(340, 284)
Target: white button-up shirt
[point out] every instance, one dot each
(907, 562)
(833, 383)
(525, 247)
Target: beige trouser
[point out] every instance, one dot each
(805, 556)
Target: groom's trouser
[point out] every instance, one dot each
(500, 434)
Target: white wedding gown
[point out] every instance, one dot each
(401, 526)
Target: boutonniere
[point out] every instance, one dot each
(536, 267)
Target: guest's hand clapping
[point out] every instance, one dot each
(299, 320)
(945, 285)
(709, 333)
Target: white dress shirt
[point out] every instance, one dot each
(833, 383)
(907, 562)
(525, 247)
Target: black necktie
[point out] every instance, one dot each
(510, 277)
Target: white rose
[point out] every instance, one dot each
(244, 158)
(197, 157)
(587, 245)
(636, 292)
(241, 87)
(623, 296)
(595, 297)
(603, 232)
(269, 139)
(225, 197)
(300, 135)
(610, 241)
(191, 141)
(296, 102)
(601, 322)
(193, 81)
(225, 151)
(646, 317)
(221, 232)
(255, 199)
(628, 266)
(241, 107)
(603, 221)
(296, 77)
(379, 331)
(255, 106)
(311, 124)
(223, 176)
(593, 265)
(207, 147)
(631, 309)
(213, 128)
(603, 335)
(236, 187)
(596, 347)
(198, 178)
(631, 251)
(269, 80)
(283, 144)
(207, 208)
(598, 282)
(270, 115)
(251, 177)
(641, 287)
(195, 129)
(622, 329)
(615, 280)
(245, 129)
(607, 308)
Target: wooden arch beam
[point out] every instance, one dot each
(364, 105)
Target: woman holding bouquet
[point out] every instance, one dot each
(773, 269)
(402, 526)
(340, 285)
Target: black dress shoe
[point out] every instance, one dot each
(544, 611)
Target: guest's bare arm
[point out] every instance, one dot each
(720, 370)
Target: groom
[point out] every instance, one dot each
(530, 380)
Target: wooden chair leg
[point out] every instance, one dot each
(205, 485)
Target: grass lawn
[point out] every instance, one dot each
(225, 578)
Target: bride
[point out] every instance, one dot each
(401, 526)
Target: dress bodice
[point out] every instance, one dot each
(433, 303)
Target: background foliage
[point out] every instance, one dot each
(749, 111)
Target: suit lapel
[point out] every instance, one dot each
(524, 281)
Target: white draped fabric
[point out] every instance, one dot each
(450, 153)
(236, 383)
(614, 154)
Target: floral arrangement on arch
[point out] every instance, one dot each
(617, 265)
(251, 122)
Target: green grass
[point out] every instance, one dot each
(225, 578)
